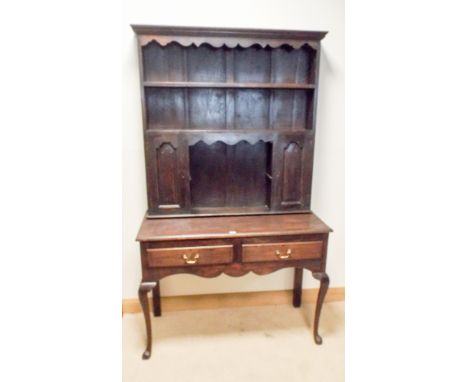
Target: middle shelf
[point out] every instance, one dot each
(214, 108)
(232, 85)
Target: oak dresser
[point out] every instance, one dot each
(229, 132)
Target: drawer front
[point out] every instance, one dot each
(189, 256)
(282, 251)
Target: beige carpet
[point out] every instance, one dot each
(263, 343)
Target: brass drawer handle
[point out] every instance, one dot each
(284, 257)
(192, 259)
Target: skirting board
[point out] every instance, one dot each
(233, 300)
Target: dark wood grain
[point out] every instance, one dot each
(234, 85)
(292, 171)
(252, 64)
(238, 267)
(166, 159)
(324, 282)
(157, 300)
(312, 255)
(205, 63)
(189, 256)
(234, 269)
(167, 174)
(231, 37)
(145, 287)
(229, 125)
(165, 108)
(297, 289)
(229, 175)
(281, 251)
(163, 64)
(208, 176)
(252, 33)
(207, 108)
(264, 83)
(230, 227)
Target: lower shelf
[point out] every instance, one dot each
(222, 211)
(228, 210)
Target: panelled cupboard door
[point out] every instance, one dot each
(167, 173)
(292, 159)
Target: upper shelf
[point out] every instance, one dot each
(246, 85)
(197, 66)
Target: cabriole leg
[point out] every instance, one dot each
(324, 281)
(145, 287)
(297, 291)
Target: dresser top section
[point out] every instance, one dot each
(230, 37)
(230, 227)
(227, 32)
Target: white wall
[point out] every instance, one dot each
(328, 181)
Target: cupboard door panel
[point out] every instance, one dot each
(167, 174)
(291, 193)
(292, 159)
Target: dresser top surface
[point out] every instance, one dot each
(227, 32)
(230, 227)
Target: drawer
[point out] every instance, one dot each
(189, 256)
(300, 250)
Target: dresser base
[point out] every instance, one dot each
(235, 246)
